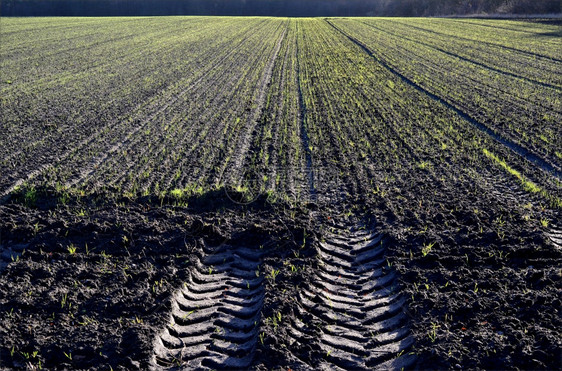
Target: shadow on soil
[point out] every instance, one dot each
(87, 280)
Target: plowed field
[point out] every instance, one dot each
(273, 193)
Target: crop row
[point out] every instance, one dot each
(374, 127)
(305, 108)
(524, 111)
(65, 103)
(277, 158)
(193, 72)
(514, 61)
(539, 41)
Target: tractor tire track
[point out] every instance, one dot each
(555, 236)
(245, 140)
(514, 147)
(465, 59)
(352, 312)
(215, 316)
(536, 55)
(305, 141)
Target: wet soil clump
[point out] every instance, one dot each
(87, 281)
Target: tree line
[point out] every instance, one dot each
(292, 8)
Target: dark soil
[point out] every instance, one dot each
(486, 294)
(103, 304)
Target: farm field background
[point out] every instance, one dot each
(129, 146)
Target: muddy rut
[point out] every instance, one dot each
(352, 311)
(216, 314)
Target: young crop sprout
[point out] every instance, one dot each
(71, 249)
(427, 248)
(443, 134)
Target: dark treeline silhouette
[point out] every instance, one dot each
(293, 8)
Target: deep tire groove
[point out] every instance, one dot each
(514, 147)
(352, 311)
(555, 236)
(214, 317)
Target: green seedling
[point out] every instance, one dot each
(427, 248)
(433, 333)
(71, 249)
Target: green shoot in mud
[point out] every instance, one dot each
(188, 314)
(30, 196)
(157, 285)
(276, 320)
(27, 355)
(36, 229)
(63, 301)
(273, 274)
(433, 333)
(71, 249)
(427, 248)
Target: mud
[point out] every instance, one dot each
(282, 290)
